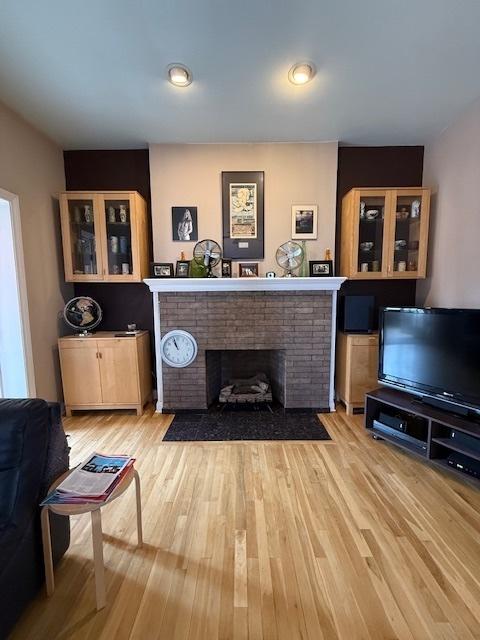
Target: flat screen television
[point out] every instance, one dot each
(432, 352)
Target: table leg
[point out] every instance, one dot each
(139, 508)
(47, 551)
(98, 558)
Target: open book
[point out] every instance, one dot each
(92, 481)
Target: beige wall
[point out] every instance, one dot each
(452, 168)
(191, 175)
(31, 166)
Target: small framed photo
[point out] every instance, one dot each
(162, 269)
(321, 268)
(304, 221)
(182, 270)
(226, 268)
(248, 269)
(184, 224)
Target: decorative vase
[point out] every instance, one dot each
(303, 271)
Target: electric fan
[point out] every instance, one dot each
(289, 257)
(208, 253)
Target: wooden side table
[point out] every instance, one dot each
(95, 510)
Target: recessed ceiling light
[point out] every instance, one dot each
(301, 73)
(179, 75)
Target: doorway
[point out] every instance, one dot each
(16, 362)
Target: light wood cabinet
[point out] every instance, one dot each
(105, 236)
(357, 368)
(105, 372)
(385, 233)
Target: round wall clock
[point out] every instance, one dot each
(178, 348)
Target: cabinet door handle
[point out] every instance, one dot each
(100, 354)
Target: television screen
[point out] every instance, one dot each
(435, 351)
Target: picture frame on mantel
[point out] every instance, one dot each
(243, 214)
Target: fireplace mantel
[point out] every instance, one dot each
(195, 285)
(165, 292)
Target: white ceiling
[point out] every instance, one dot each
(92, 74)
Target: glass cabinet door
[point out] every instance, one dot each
(83, 244)
(408, 240)
(370, 253)
(117, 214)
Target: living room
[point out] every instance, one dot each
(240, 273)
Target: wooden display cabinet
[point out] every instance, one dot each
(103, 371)
(356, 368)
(105, 237)
(385, 233)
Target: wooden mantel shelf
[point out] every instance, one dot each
(193, 285)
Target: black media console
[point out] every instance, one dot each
(444, 439)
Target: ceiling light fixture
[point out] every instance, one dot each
(301, 73)
(179, 75)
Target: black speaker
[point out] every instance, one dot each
(356, 314)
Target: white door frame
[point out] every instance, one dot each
(22, 288)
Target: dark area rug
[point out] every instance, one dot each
(245, 425)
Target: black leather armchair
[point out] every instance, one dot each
(33, 452)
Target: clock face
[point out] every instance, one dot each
(178, 348)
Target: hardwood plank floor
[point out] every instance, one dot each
(346, 539)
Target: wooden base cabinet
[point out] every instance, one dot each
(105, 372)
(357, 368)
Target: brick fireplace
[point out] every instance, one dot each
(242, 326)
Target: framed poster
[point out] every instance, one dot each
(243, 214)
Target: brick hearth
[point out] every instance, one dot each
(297, 324)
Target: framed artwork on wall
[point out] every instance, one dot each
(304, 221)
(243, 214)
(184, 224)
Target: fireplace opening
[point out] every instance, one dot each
(244, 372)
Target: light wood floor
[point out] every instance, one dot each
(345, 539)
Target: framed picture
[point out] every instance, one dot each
(182, 270)
(248, 270)
(243, 214)
(304, 221)
(184, 224)
(162, 269)
(226, 268)
(321, 268)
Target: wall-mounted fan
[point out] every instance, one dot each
(208, 253)
(289, 257)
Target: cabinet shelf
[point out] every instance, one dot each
(450, 444)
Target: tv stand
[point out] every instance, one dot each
(439, 437)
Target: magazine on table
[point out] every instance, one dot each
(92, 481)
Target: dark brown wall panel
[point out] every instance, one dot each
(377, 167)
(104, 170)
